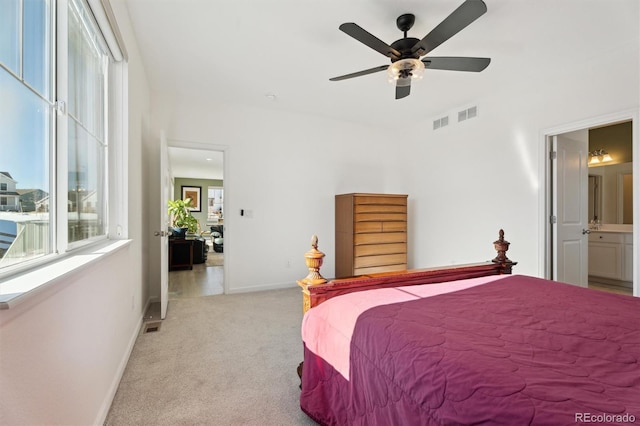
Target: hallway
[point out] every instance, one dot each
(205, 279)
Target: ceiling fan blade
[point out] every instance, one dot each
(403, 89)
(468, 12)
(453, 63)
(360, 73)
(365, 37)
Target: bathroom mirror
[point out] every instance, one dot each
(611, 193)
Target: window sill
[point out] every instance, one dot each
(17, 289)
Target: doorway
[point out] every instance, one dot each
(202, 167)
(567, 228)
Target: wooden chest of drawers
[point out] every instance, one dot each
(371, 233)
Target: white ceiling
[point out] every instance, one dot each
(238, 52)
(196, 163)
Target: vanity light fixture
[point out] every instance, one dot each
(599, 156)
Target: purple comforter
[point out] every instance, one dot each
(518, 351)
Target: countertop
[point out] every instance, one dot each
(615, 228)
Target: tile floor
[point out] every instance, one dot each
(611, 288)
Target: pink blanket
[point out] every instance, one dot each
(327, 328)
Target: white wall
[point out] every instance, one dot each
(465, 182)
(491, 169)
(64, 350)
(285, 168)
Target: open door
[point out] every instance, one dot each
(570, 209)
(165, 187)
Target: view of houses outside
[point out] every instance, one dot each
(24, 221)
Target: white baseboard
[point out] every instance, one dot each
(106, 405)
(275, 286)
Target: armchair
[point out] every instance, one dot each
(217, 236)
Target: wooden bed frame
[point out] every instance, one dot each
(316, 289)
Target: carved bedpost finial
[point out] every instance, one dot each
(501, 246)
(313, 259)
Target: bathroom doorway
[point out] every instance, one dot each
(603, 208)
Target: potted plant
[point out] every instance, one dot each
(181, 218)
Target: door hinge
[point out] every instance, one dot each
(553, 219)
(61, 107)
(553, 155)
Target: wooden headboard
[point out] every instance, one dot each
(316, 289)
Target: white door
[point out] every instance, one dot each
(165, 187)
(570, 201)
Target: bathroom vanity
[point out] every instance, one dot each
(611, 254)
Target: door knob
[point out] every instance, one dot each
(586, 231)
(159, 233)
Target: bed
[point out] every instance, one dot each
(472, 344)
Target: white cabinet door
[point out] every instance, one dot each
(605, 260)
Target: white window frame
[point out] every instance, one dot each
(214, 187)
(26, 276)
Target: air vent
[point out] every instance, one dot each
(151, 327)
(440, 122)
(468, 113)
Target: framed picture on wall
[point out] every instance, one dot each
(193, 192)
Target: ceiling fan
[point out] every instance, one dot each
(405, 53)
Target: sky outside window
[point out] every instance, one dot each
(25, 114)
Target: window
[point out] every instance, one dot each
(215, 204)
(25, 122)
(87, 71)
(53, 170)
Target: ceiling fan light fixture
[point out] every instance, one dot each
(402, 82)
(401, 72)
(406, 52)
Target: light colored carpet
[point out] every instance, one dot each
(217, 360)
